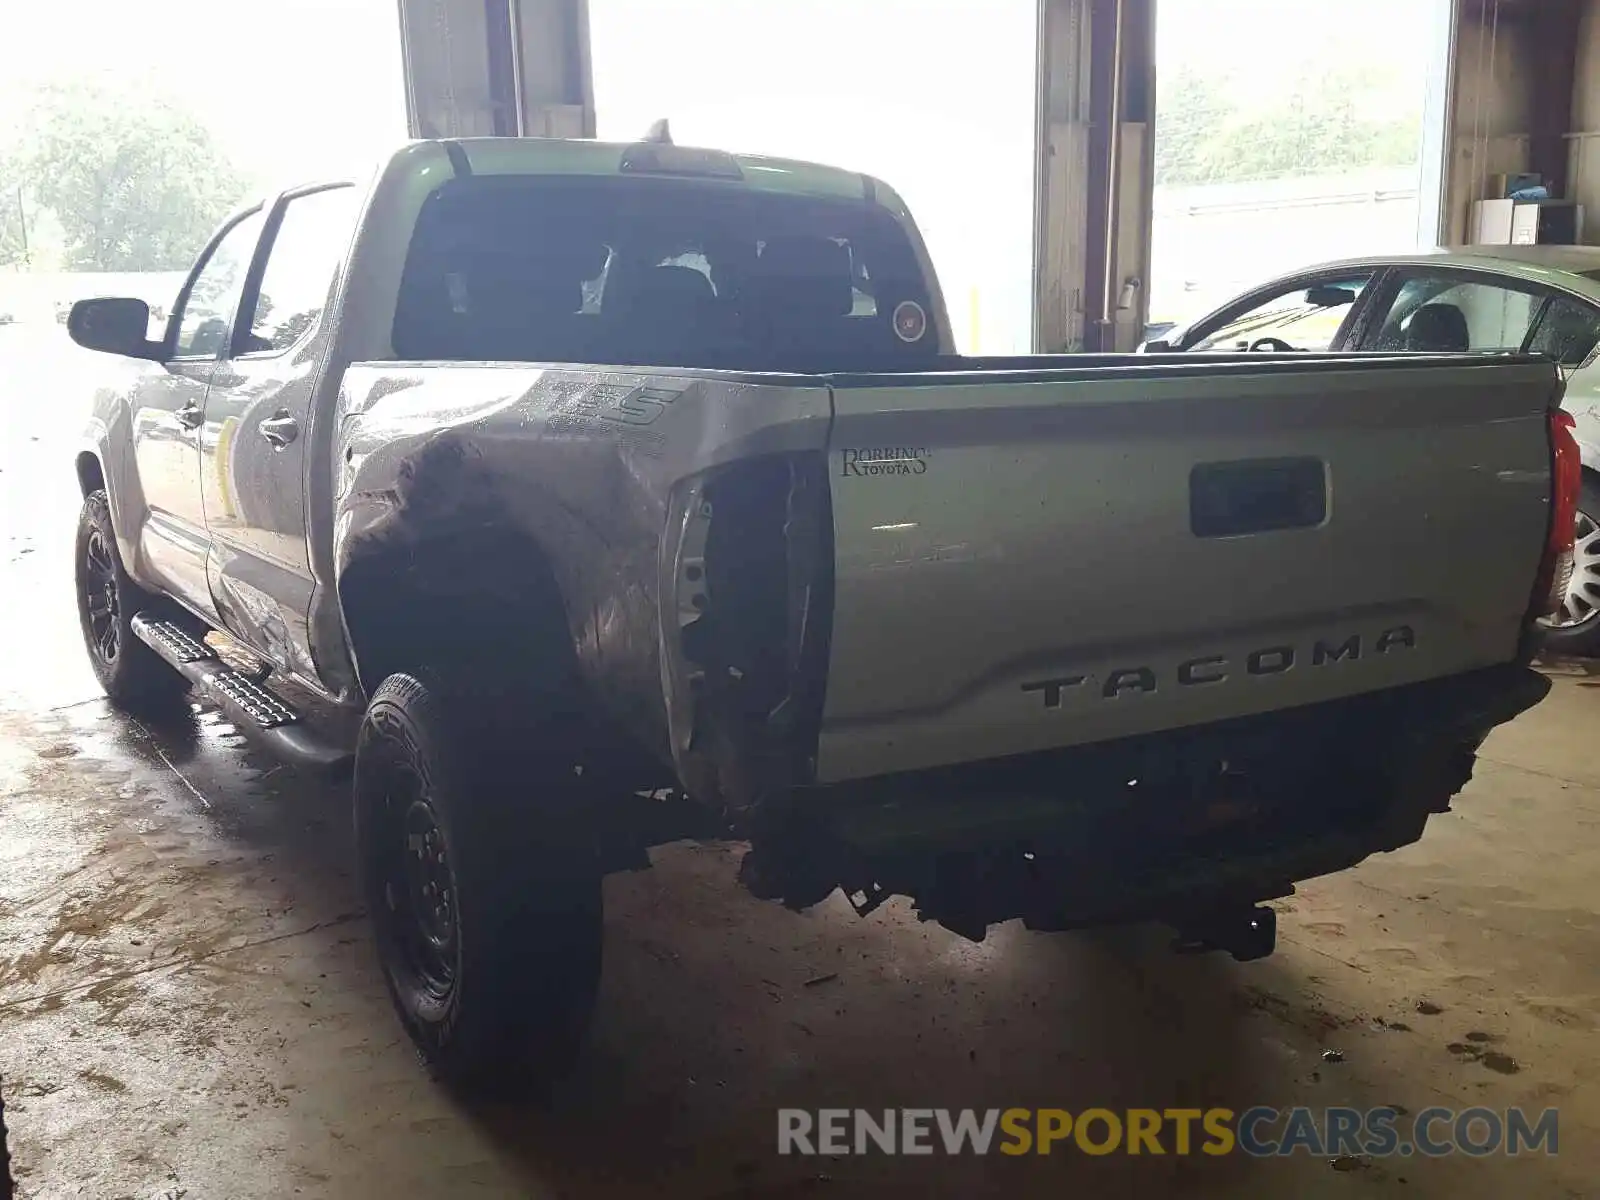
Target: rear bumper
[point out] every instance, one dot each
(1150, 827)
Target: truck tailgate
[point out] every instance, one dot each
(1032, 560)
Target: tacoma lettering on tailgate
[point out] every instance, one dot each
(1209, 669)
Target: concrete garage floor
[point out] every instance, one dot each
(189, 1006)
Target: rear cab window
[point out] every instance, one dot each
(650, 271)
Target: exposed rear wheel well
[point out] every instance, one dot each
(482, 610)
(483, 602)
(90, 477)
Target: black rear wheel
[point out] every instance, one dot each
(483, 891)
(131, 673)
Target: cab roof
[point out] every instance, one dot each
(565, 156)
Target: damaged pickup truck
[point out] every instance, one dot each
(586, 497)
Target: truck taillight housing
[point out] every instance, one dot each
(1555, 569)
(746, 595)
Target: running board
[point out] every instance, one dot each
(251, 707)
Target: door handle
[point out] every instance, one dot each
(280, 429)
(190, 416)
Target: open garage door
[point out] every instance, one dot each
(1286, 134)
(937, 99)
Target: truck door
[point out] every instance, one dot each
(257, 423)
(169, 407)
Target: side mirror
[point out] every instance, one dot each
(114, 326)
(1158, 346)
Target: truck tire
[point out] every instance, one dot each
(1575, 630)
(485, 902)
(133, 675)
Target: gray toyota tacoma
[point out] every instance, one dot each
(584, 497)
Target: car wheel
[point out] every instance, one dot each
(485, 904)
(1575, 629)
(132, 674)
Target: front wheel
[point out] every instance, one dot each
(132, 674)
(1575, 629)
(484, 903)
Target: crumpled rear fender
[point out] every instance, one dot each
(584, 468)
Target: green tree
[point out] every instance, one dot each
(135, 183)
(1190, 109)
(13, 216)
(1324, 126)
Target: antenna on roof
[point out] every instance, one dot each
(658, 132)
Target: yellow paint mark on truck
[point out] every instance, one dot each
(224, 461)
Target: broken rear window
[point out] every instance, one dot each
(664, 272)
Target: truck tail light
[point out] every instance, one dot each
(1555, 569)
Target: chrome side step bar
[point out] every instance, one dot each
(251, 707)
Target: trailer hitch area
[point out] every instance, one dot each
(1247, 932)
